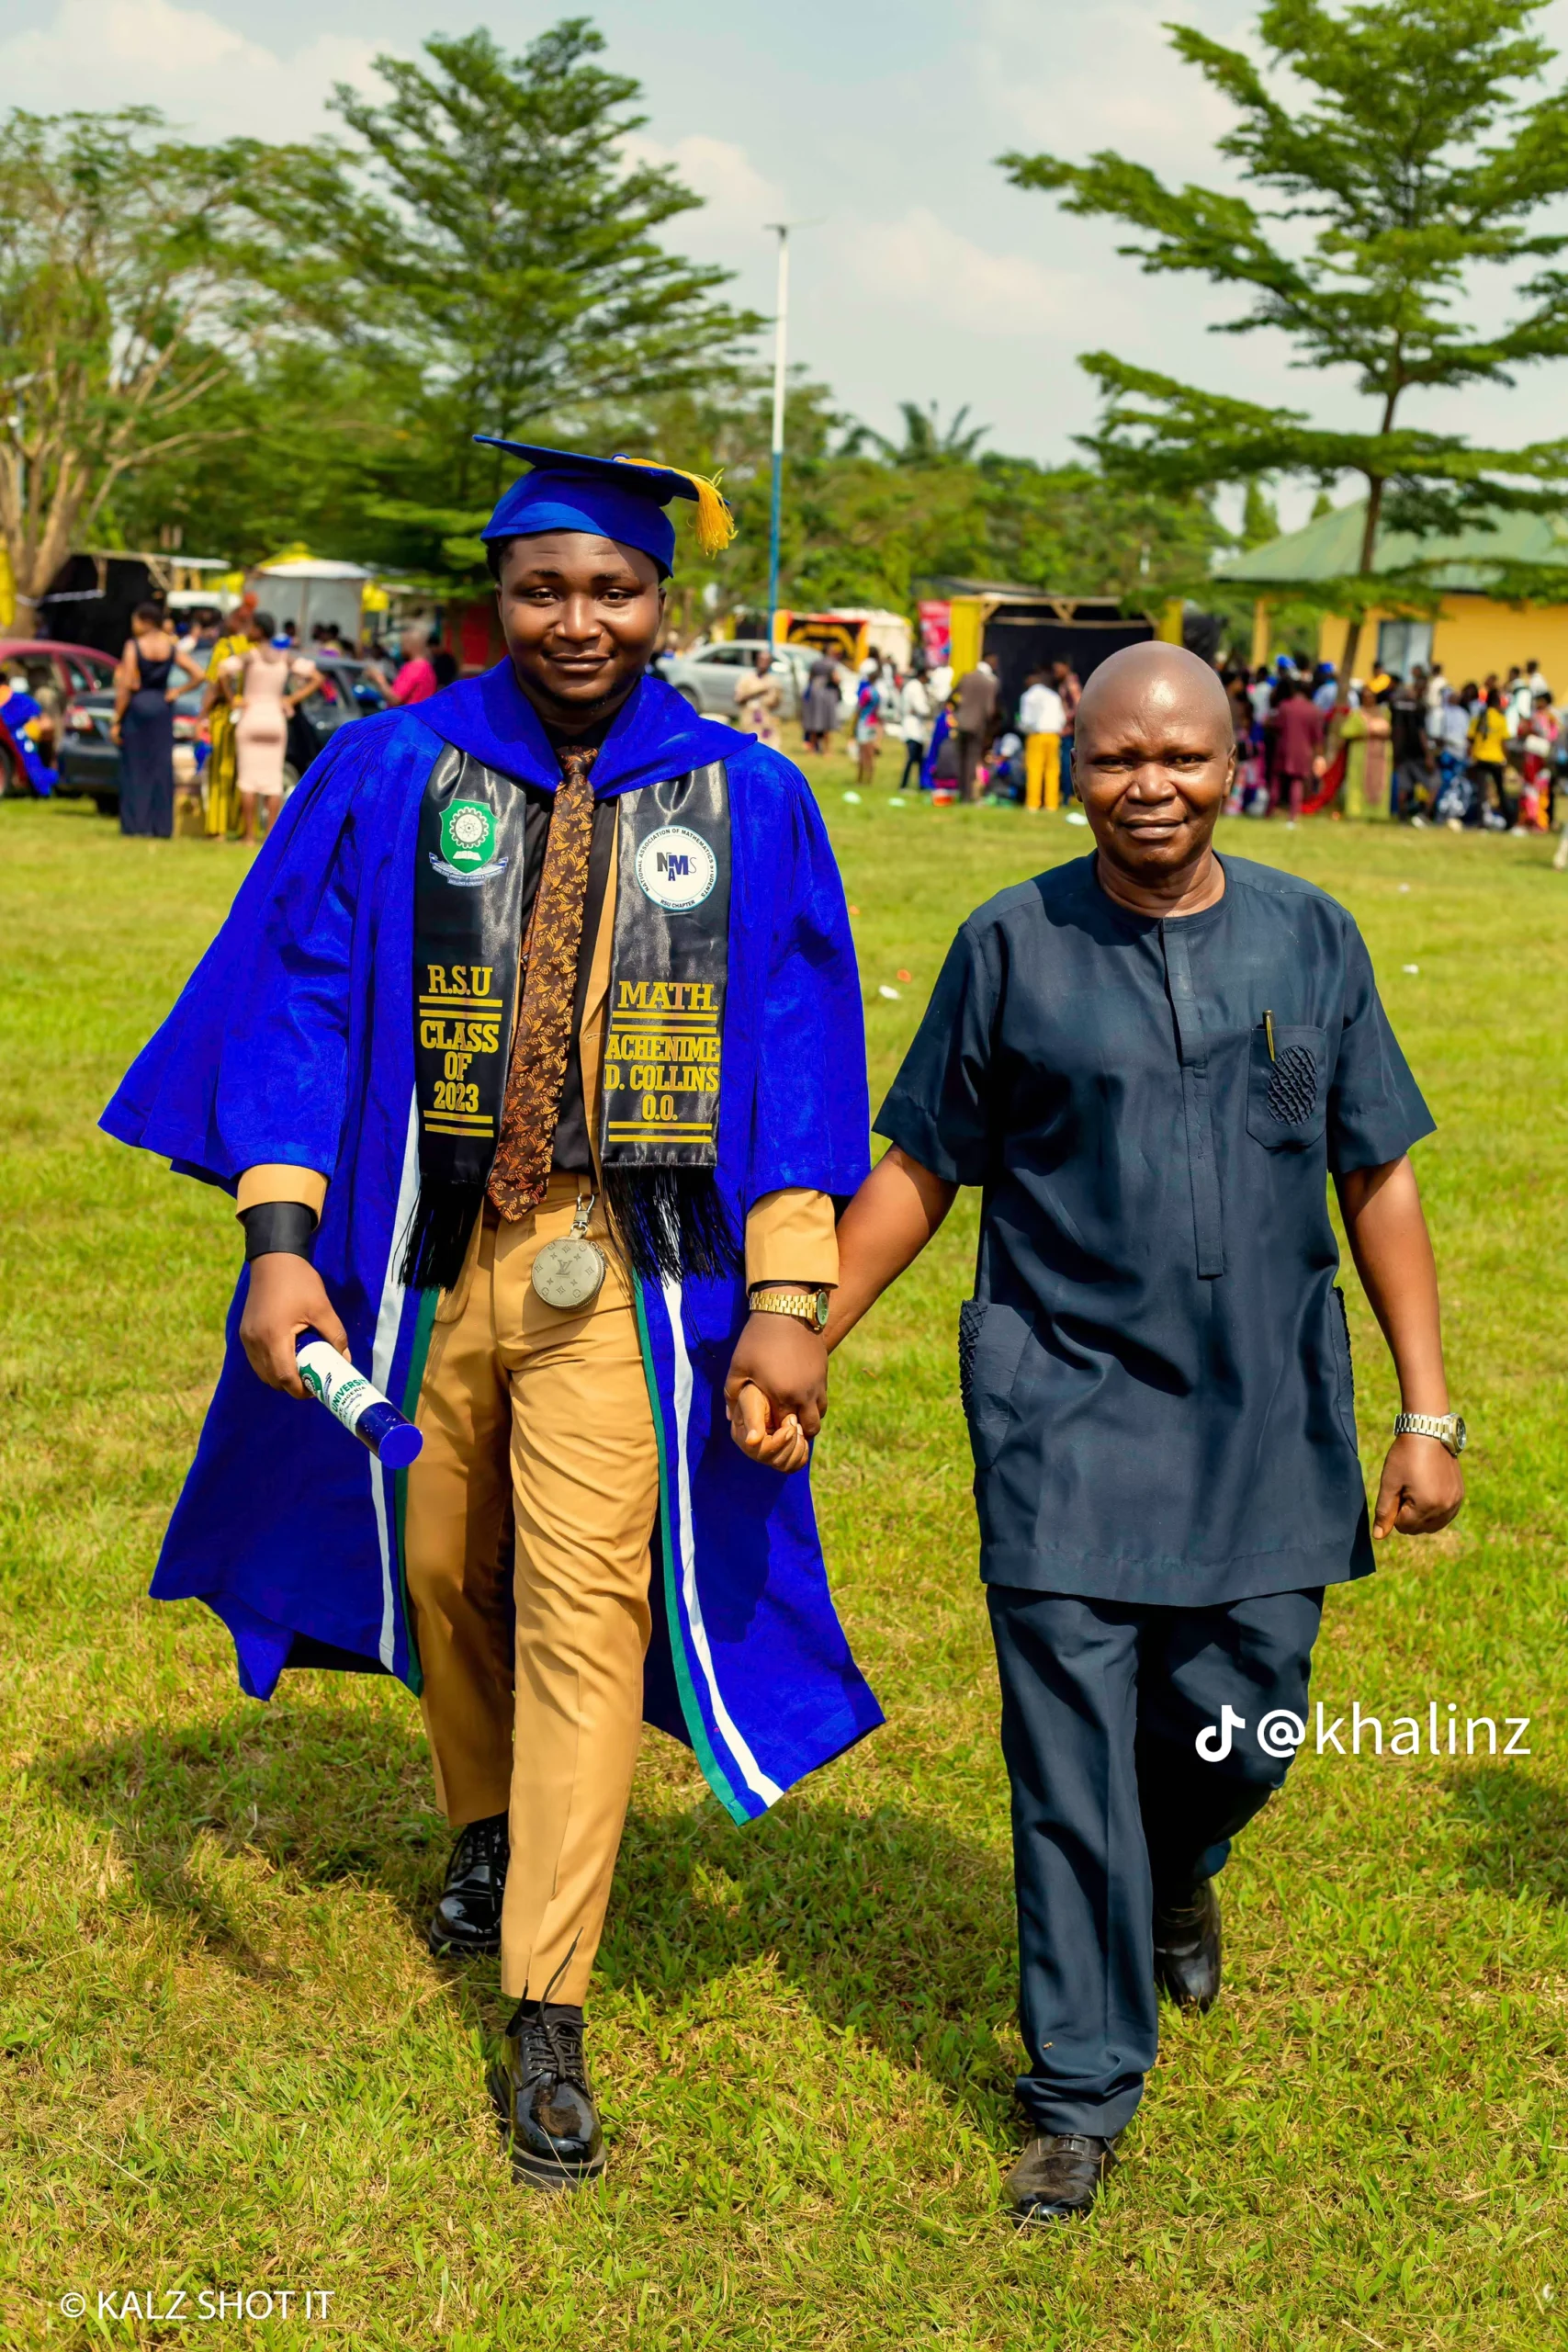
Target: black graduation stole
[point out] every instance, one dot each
(468, 904)
(670, 957)
(664, 1037)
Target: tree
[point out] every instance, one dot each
(482, 257)
(1260, 517)
(492, 238)
(1411, 167)
(1087, 533)
(297, 449)
(130, 291)
(865, 524)
(925, 441)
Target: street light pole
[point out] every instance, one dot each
(781, 326)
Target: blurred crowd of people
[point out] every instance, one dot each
(958, 740)
(31, 719)
(253, 675)
(1491, 754)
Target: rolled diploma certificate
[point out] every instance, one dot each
(348, 1396)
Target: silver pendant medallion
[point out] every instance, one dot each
(568, 1272)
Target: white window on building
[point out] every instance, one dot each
(1404, 645)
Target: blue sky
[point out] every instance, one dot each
(926, 276)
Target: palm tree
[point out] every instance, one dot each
(925, 441)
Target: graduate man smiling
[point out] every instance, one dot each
(1152, 1060)
(532, 1050)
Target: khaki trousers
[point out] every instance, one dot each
(539, 1440)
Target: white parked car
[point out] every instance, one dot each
(708, 674)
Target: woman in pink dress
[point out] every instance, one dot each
(265, 684)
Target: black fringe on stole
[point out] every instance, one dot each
(438, 1236)
(670, 1223)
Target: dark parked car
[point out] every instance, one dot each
(54, 672)
(344, 694)
(89, 758)
(89, 762)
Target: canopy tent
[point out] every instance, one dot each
(309, 589)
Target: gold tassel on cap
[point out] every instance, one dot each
(715, 523)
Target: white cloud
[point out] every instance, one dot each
(1107, 77)
(208, 77)
(737, 200)
(728, 182)
(919, 262)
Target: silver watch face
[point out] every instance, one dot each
(1460, 1441)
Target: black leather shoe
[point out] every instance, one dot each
(1186, 1948)
(468, 1917)
(546, 2106)
(1058, 2176)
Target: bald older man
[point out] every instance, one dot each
(1152, 1062)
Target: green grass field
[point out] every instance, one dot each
(229, 2062)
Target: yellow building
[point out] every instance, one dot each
(1475, 628)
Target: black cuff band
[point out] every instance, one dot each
(279, 1226)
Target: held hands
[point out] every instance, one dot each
(1421, 1488)
(286, 1297)
(776, 1392)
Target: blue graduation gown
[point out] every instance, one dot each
(292, 1043)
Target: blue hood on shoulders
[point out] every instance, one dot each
(655, 733)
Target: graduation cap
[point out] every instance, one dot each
(614, 498)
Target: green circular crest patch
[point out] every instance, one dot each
(468, 834)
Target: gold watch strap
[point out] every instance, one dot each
(806, 1306)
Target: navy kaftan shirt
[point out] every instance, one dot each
(1156, 1363)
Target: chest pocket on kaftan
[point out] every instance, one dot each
(1287, 1090)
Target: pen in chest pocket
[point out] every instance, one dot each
(1268, 1033)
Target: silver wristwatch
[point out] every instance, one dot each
(1447, 1428)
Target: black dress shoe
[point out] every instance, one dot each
(1057, 2177)
(542, 2096)
(468, 1917)
(1187, 1948)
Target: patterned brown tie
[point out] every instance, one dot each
(543, 1038)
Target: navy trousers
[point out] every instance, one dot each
(147, 766)
(1114, 1810)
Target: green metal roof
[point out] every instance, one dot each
(1330, 548)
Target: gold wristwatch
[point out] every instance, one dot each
(807, 1306)
(1447, 1428)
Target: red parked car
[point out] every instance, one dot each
(55, 672)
